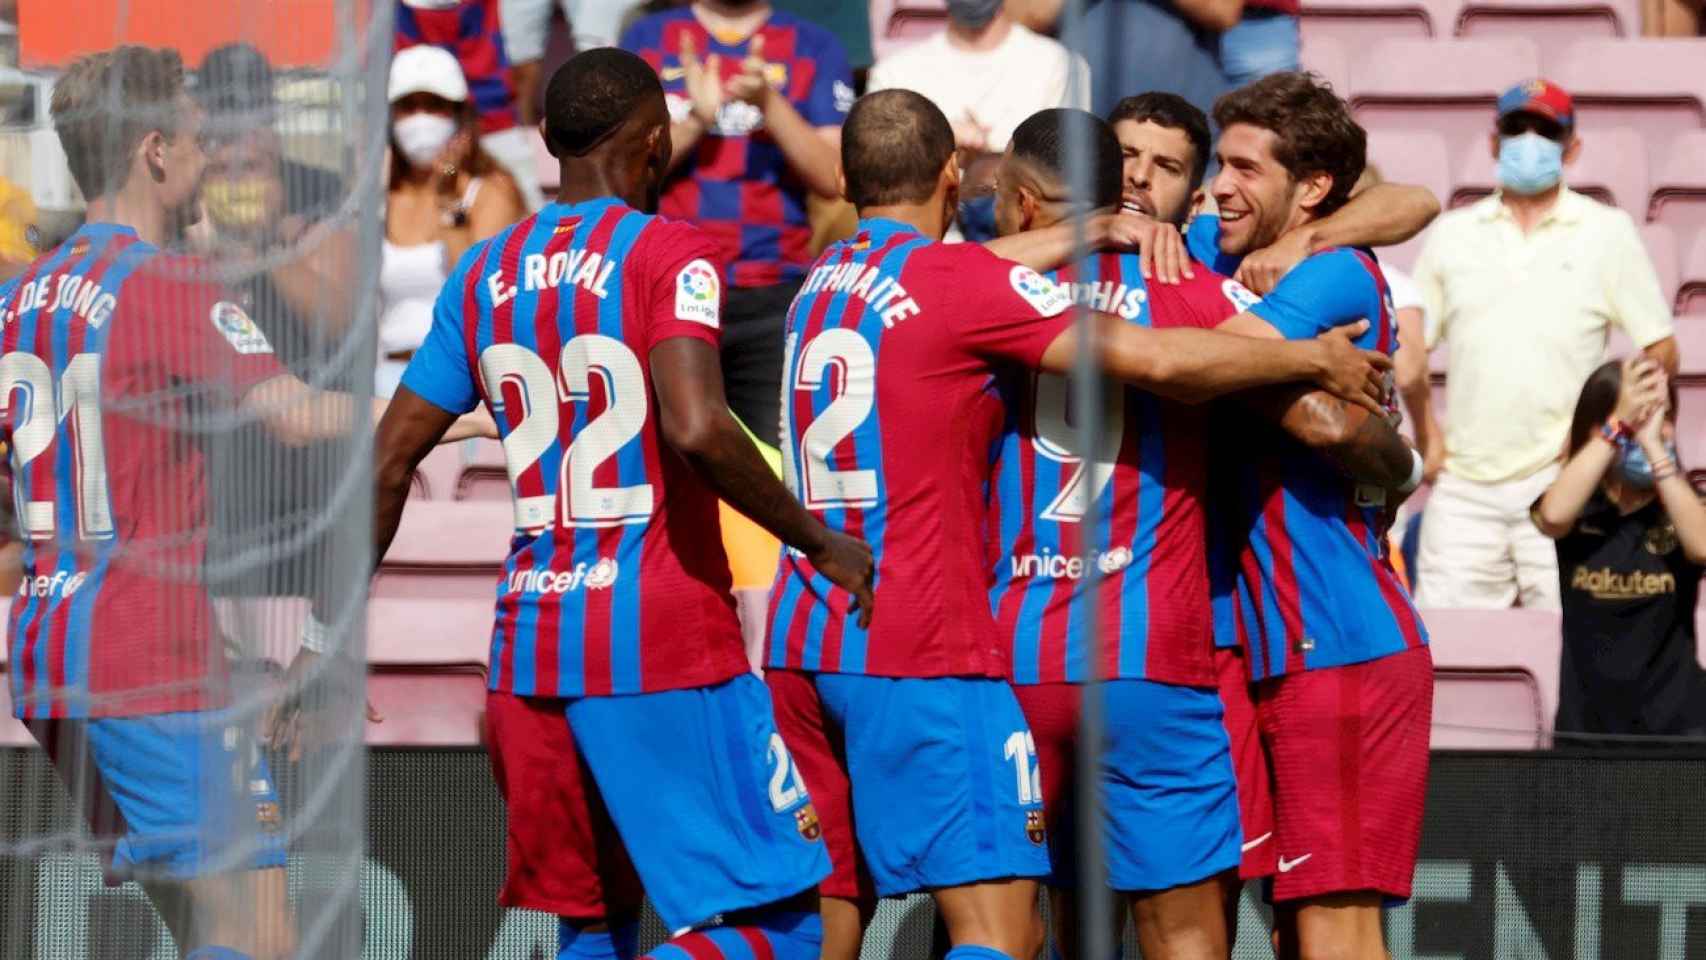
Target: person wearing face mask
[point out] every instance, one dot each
(445, 194)
(987, 73)
(1630, 533)
(1523, 288)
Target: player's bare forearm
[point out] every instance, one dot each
(1045, 249)
(1194, 365)
(296, 414)
(1382, 215)
(1363, 446)
(410, 429)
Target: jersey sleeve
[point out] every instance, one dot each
(831, 93)
(681, 291)
(218, 344)
(1205, 300)
(1202, 242)
(999, 308)
(1326, 290)
(440, 372)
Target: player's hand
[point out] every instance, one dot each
(1262, 270)
(704, 81)
(305, 716)
(1160, 246)
(1351, 373)
(849, 564)
(751, 84)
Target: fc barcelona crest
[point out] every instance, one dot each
(1034, 827)
(805, 819)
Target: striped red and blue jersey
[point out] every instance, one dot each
(1149, 480)
(616, 580)
(473, 32)
(1311, 582)
(890, 415)
(112, 356)
(736, 185)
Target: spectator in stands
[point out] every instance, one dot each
(472, 31)
(1172, 46)
(20, 238)
(1630, 533)
(1671, 18)
(1525, 286)
(1263, 41)
(526, 27)
(444, 194)
(756, 99)
(273, 220)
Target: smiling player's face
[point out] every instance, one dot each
(1256, 195)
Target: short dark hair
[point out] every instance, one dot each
(1313, 129)
(894, 145)
(233, 79)
(106, 103)
(1047, 137)
(1175, 113)
(592, 94)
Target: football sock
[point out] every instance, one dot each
(620, 942)
(779, 935)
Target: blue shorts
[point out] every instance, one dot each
(1169, 798)
(920, 782)
(175, 795)
(689, 794)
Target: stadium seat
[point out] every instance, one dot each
(447, 549)
(435, 478)
(1612, 168)
(895, 23)
(1690, 346)
(1657, 87)
(427, 668)
(1691, 422)
(544, 165)
(1495, 677)
(1679, 184)
(482, 472)
(1355, 22)
(1691, 292)
(1661, 245)
(1327, 57)
(1552, 24)
(1413, 157)
(1449, 87)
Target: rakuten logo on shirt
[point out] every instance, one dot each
(598, 576)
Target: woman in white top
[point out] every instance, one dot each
(443, 195)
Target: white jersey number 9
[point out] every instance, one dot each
(1057, 437)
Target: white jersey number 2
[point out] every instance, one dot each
(508, 369)
(36, 410)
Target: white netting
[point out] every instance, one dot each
(156, 629)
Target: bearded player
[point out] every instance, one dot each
(918, 755)
(635, 751)
(112, 349)
(1336, 650)
(1171, 815)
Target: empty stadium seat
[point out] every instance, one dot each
(1691, 293)
(1413, 157)
(1691, 422)
(1450, 87)
(913, 20)
(482, 473)
(447, 549)
(1690, 346)
(1661, 245)
(427, 669)
(1679, 184)
(544, 165)
(435, 478)
(1611, 168)
(1552, 24)
(1495, 677)
(1327, 57)
(1355, 22)
(1658, 87)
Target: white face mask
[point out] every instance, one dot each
(422, 136)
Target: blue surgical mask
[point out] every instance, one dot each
(1530, 163)
(1633, 468)
(973, 14)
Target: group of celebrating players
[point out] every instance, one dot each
(1266, 679)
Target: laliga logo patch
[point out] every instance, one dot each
(843, 97)
(1034, 827)
(1046, 298)
(805, 820)
(696, 288)
(236, 327)
(1239, 295)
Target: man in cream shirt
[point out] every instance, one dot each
(1525, 286)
